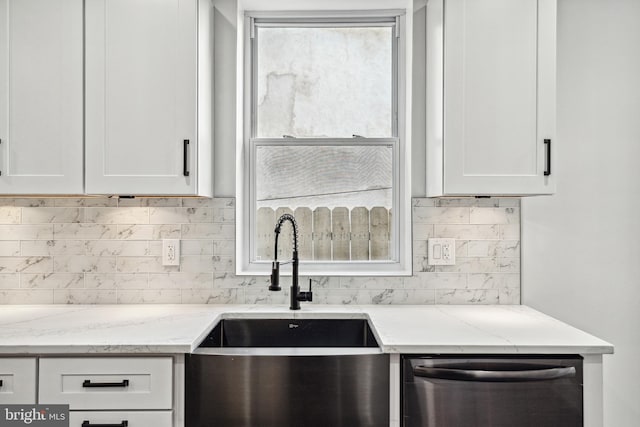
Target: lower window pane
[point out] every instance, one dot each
(341, 197)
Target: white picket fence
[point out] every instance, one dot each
(337, 234)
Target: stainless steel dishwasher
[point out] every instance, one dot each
(492, 391)
(288, 373)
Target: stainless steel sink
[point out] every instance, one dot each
(269, 333)
(286, 372)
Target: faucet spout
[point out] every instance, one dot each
(296, 295)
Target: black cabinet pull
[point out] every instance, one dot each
(0, 383)
(87, 423)
(547, 143)
(185, 157)
(88, 383)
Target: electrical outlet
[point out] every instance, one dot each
(441, 252)
(170, 252)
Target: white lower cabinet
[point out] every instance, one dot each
(120, 418)
(17, 381)
(115, 391)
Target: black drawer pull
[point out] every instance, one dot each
(185, 157)
(86, 423)
(547, 143)
(88, 383)
(0, 383)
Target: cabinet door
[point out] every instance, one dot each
(41, 97)
(17, 380)
(499, 96)
(141, 96)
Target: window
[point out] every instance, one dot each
(324, 140)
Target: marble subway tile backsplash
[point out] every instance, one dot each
(108, 251)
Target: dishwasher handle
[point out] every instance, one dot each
(481, 375)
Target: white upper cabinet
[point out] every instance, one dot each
(491, 106)
(41, 97)
(148, 97)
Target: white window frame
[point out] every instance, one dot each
(401, 264)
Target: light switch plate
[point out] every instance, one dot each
(441, 252)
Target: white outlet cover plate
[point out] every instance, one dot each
(441, 251)
(171, 252)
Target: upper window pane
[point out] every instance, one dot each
(315, 82)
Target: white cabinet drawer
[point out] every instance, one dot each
(120, 418)
(107, 382)
(18, 377)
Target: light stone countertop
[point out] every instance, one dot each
(178, 328)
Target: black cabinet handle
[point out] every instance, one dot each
(547, 143)
(185, 157)
(87, 423)
(0, 383)
(89, 384)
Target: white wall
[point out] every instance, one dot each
(566, 271)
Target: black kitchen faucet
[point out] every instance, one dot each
(296, 295)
